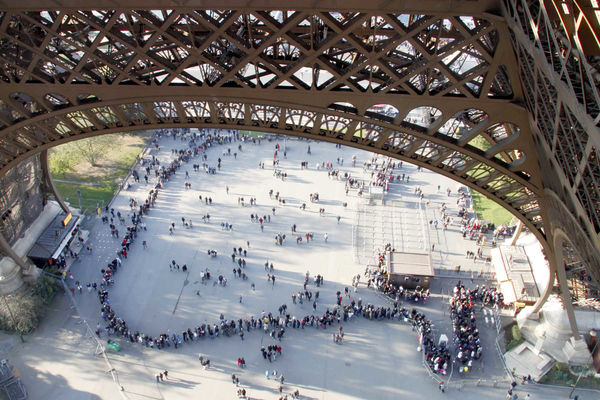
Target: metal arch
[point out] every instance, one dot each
(84, 71)
(48, 182)
(404, 140)
(296, 67)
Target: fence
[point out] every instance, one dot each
(99, 345)
(139, 158)
(90, 333)
(10, 382)
(424, 225)
(85, 204)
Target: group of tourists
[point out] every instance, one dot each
(346, 308)
(437, 355)
(466, 334)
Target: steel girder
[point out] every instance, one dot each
(557, 48)
(455, 7)
(433, 87)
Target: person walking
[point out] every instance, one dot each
(325, 237)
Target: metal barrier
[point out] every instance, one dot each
(425, 226)
(499, 350)
(493, 383)
(87, 203)
(463, 274)
(139, 158)
(10, 382)
(431, 374)
(92, 335)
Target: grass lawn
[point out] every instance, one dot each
(480, 143)
(488, 210)
(112, 159)
(560, 375)
(91, 196)
(254, 134)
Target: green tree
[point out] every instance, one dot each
(93, 149)
(61, 163)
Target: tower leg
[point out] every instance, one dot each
(48, 183)
(11, 268)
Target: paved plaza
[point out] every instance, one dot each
(378, 359)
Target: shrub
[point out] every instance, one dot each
(25, 311)
(45, 288)
(516, 333)
(512, 336)
(28, 307)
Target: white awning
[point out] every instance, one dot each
(67, 238)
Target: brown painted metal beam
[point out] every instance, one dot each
(462, 7)
(49, 182)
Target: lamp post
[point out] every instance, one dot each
(592, 333)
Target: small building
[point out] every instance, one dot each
(57, 236)
(515, 275)
(410, 270)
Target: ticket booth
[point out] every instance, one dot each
(410, 270)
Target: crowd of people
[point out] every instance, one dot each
(275, 325)
(437, 355)
(462, 313)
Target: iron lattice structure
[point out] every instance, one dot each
(435, 83)
(558, 48)
(346, 76)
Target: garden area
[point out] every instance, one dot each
(512, 336)
(561, 374)
(22, 311)
(488, 210)
(94, 167)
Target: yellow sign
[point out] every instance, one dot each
(67, 219)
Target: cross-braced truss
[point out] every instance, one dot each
(557, 45)
(435, 88)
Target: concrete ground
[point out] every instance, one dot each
(378, 358)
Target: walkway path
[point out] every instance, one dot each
(378, 359)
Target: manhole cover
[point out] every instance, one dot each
(347, 364)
